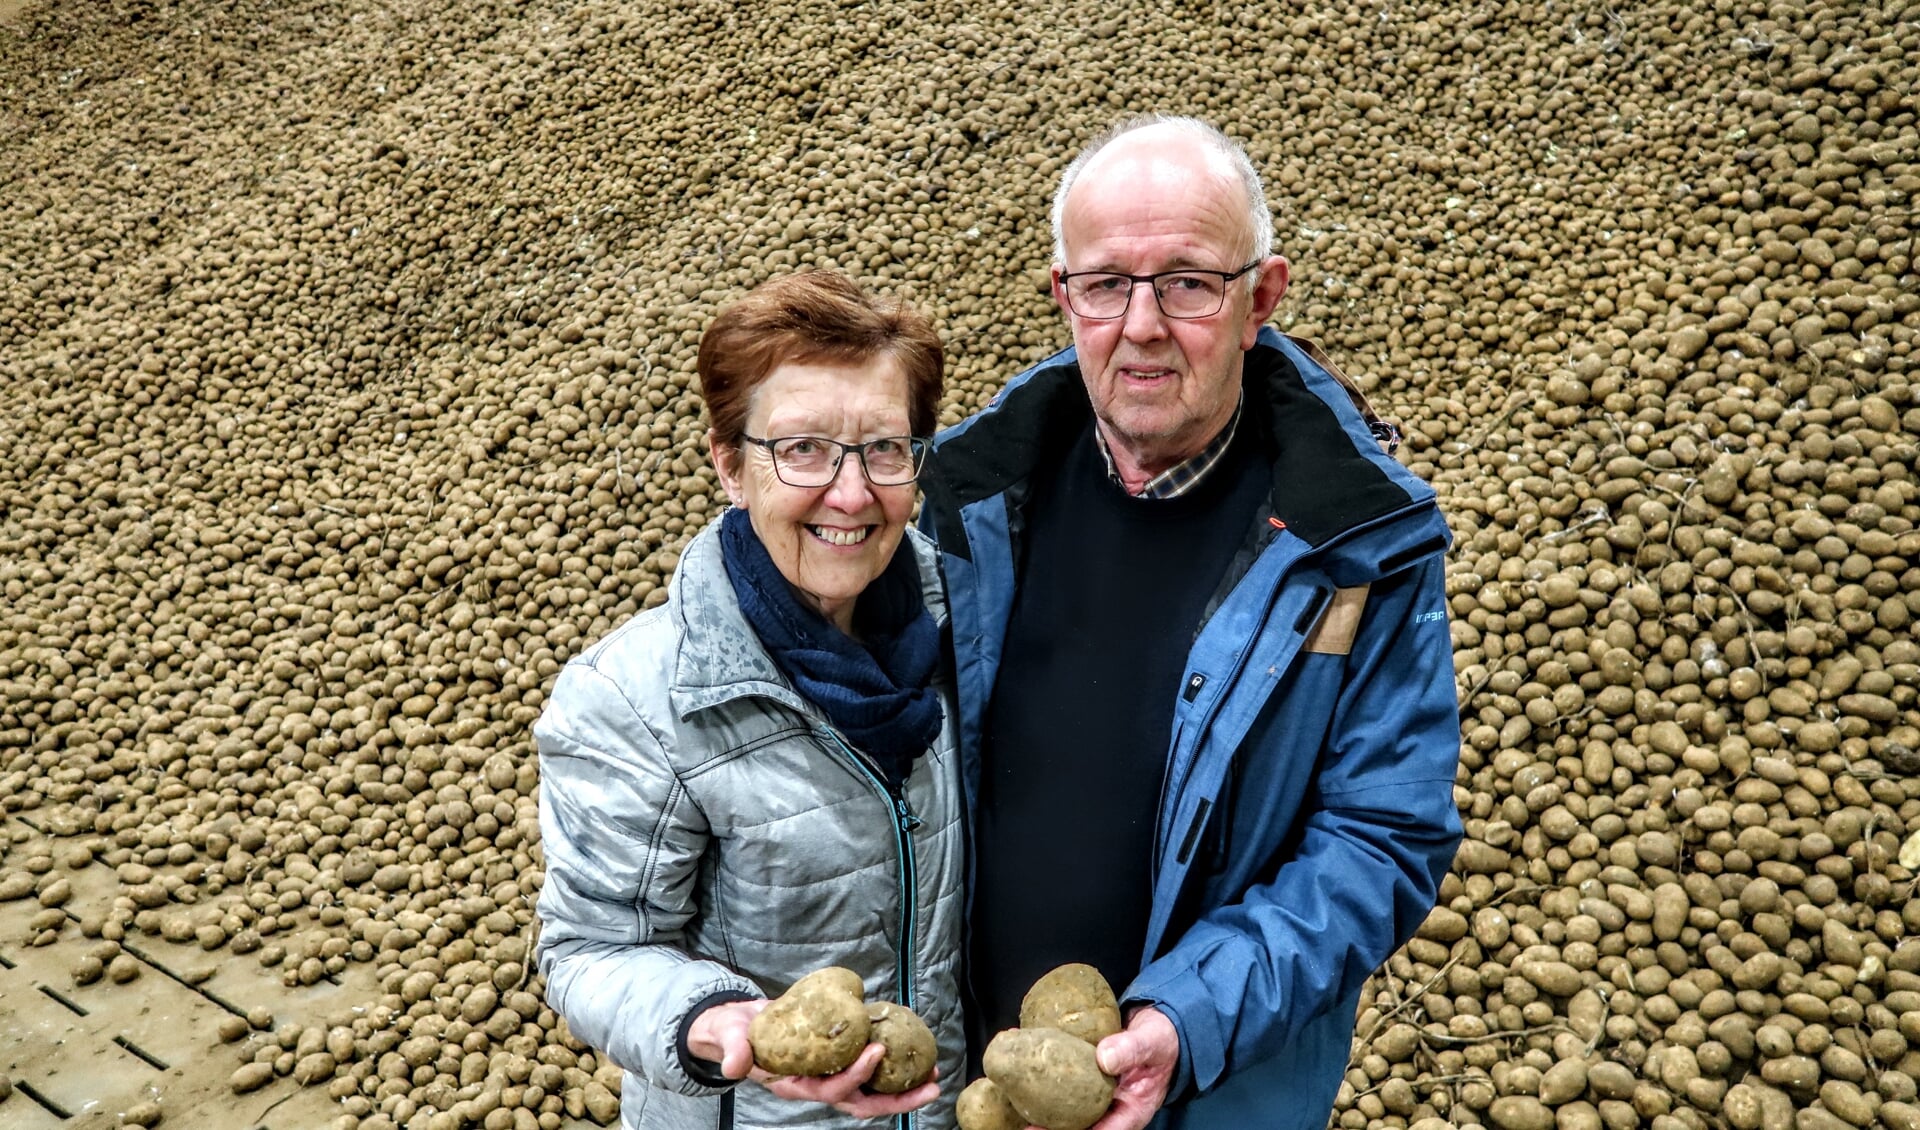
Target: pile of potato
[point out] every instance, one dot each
(345, 371)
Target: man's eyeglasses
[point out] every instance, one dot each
(1104, 295)
(811, 461)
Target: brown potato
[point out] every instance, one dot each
(910, 1048)
(836, 977)
(1074, 998)
(983, 1106)
(1050, 1077)
(817, 1027)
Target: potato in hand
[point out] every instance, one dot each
(817, 1027)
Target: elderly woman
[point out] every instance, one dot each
(758, 778)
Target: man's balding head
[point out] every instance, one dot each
(1139, 145)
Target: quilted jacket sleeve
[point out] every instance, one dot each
(623, 842)
(1378, 831)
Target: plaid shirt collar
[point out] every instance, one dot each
(1183, 477)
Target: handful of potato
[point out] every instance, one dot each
(821, 1024)
(1044, 1072)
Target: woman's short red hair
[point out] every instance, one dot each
(815, 315)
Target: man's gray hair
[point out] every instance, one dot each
(1259, 219)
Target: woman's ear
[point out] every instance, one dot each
(726, 464)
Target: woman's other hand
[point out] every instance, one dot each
(719, 1035)
(842, 1092)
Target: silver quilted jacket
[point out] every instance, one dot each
(704, 829)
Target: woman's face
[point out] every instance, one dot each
(829, 542)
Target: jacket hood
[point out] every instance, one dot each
(1329, 473)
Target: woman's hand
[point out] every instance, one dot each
(842, 1092)
(719, 1035)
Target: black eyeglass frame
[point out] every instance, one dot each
(1134, 282)
(917, 447)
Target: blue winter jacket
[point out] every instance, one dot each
(1307, 812)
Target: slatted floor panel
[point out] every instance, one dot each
(80, 1055)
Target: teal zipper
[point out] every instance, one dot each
(904, 822)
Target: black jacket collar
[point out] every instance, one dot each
(1323, 482)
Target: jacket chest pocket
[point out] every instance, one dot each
(1211, 835)
(1263, 792)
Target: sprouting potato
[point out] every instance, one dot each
(983, 1106)
(1074, 998)
(1050, 1077)
(911, 1051)
(819, 1026)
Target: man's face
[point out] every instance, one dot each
(1162, 387)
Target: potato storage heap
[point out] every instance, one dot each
(345, 354)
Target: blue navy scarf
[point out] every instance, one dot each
(879, 695)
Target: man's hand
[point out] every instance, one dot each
(719, 1035)
(1142, 1058)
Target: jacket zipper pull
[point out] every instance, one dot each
(904, 812)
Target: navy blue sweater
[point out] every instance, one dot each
(1111, 591)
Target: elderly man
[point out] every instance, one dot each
(1202, 650)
